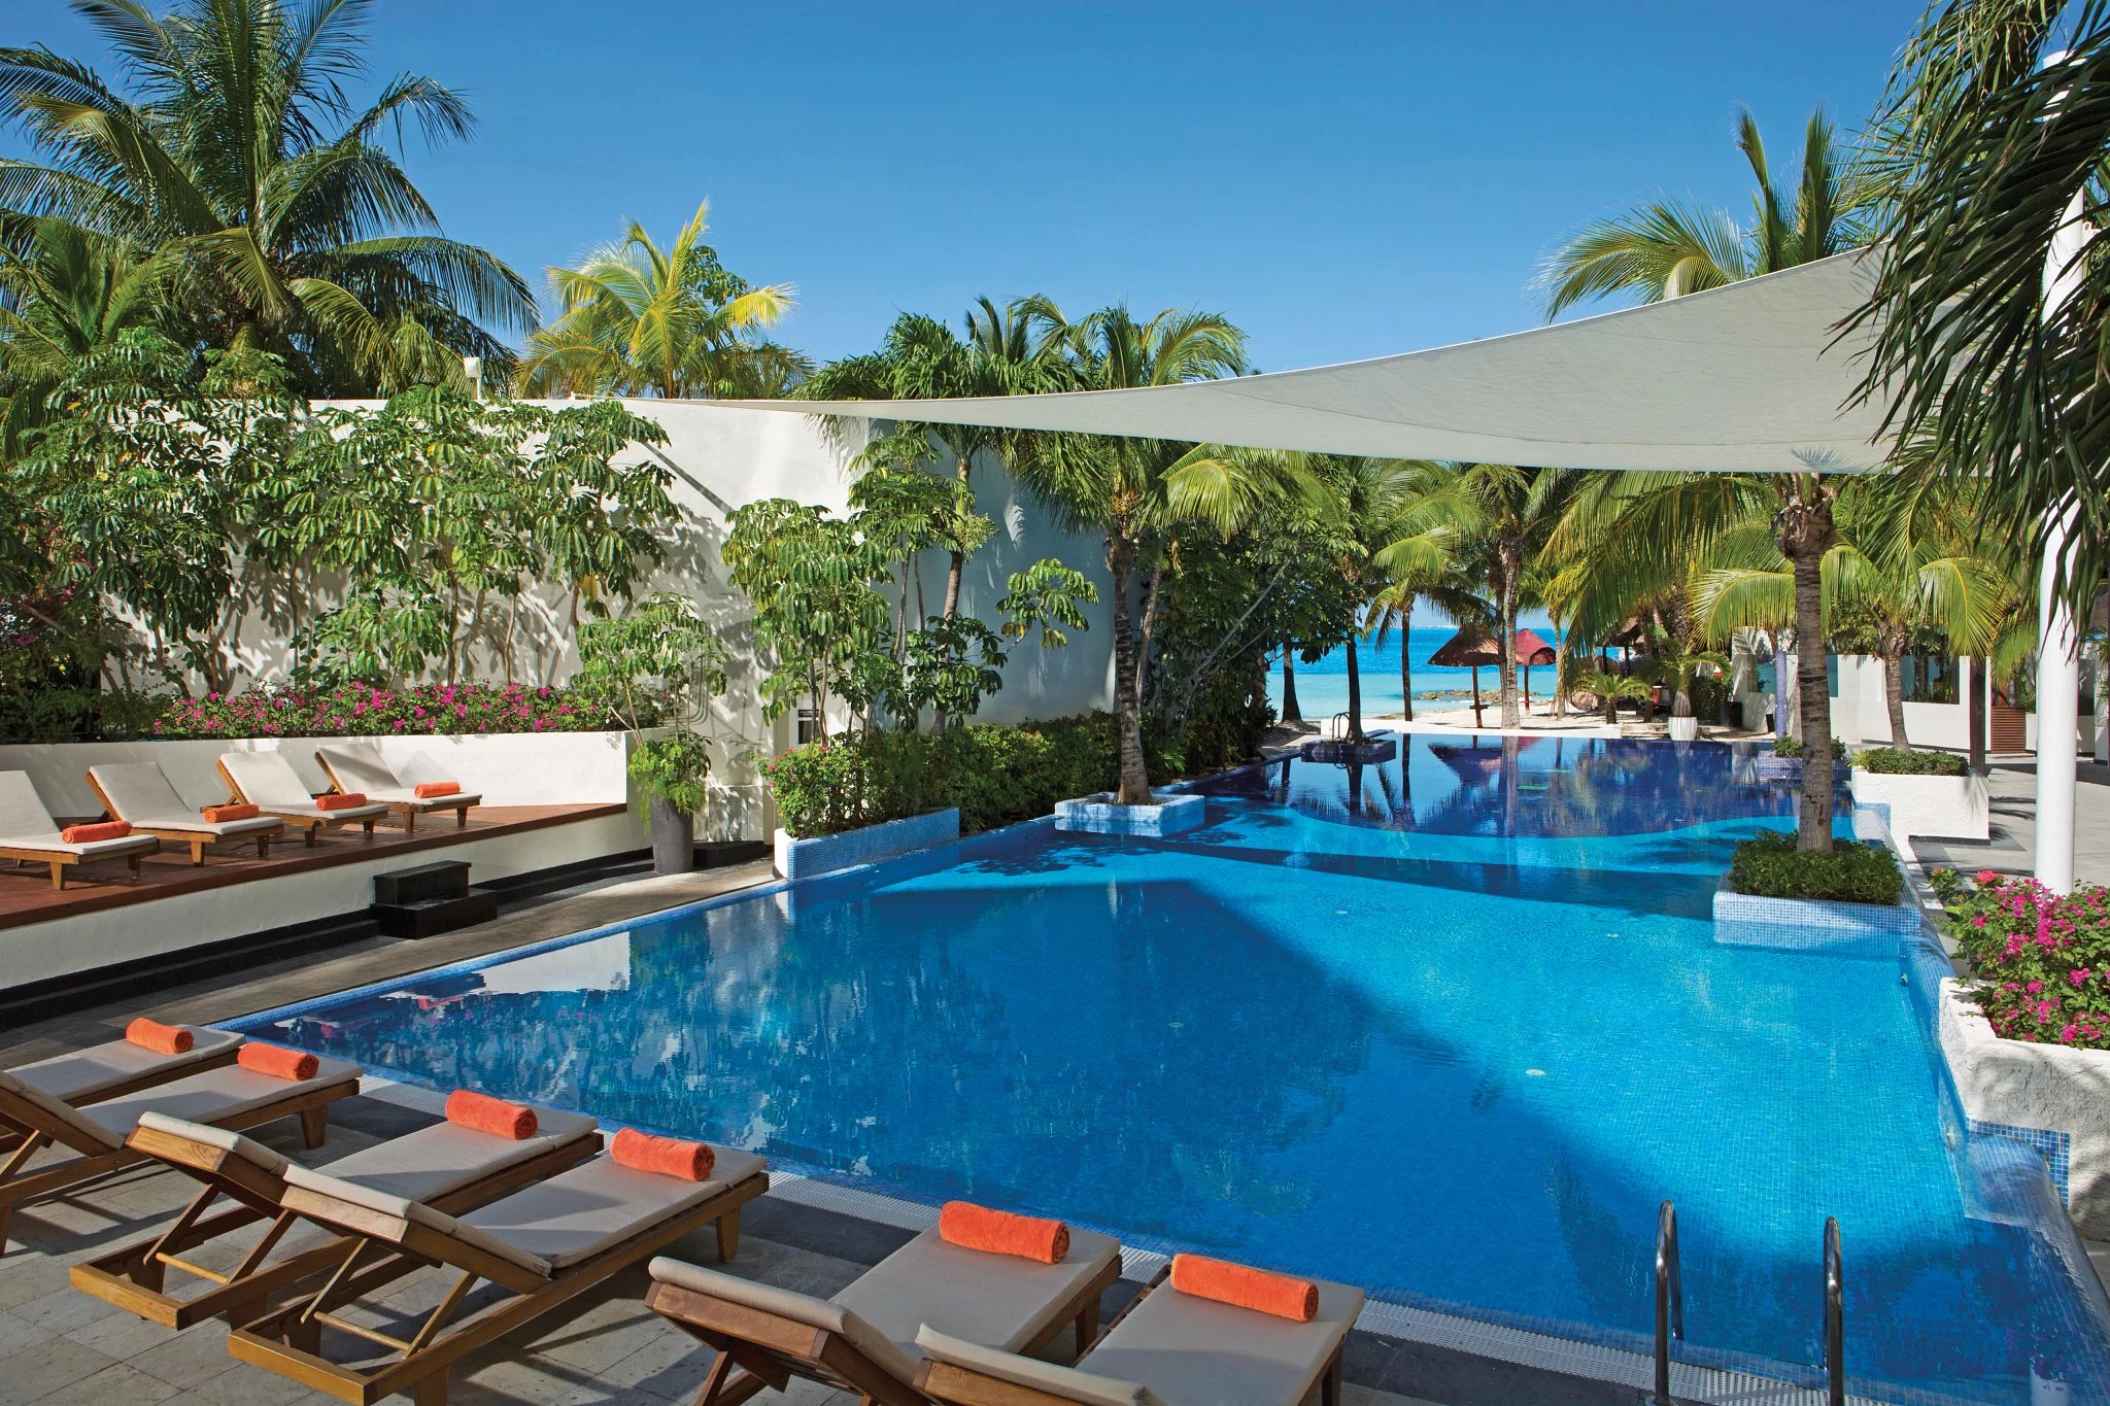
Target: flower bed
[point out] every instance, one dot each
(360, 710)
(2040, 963)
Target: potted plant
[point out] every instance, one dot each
(1784, 762)
(1678, 664)
(657, 667)
(1929, 793)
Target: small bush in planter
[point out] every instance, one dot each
(1790, 748)
(1889, 761)
(1771, 867)
(2040, 962)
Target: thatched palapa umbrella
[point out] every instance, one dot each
(1469, 649)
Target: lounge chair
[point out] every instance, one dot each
(230, 1097)
(863, 1339)
(29, 834)
(268, 781)
(446, 1166)
(1165, 1347)
(118, 1067)
(138, 793)
(357, 766)
(544, 1244)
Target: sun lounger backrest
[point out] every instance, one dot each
(234, 1144)
(266, 779)
(310, 1192)
(1062, 1383)
(787, 1303)
(22, 813)
(358, 766)
(139, 792)
(48, 1115)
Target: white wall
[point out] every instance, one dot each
(721, 458)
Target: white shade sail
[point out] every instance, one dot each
(1753, 377)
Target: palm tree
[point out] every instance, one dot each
(1135, 491)
(1518, 510)
(636, 319)
(63, 293)
(921, 357)
(1666, 250)
(1415, 548)
(238, 159)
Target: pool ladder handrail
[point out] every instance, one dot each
(1834, 1315)
(1670, 1299)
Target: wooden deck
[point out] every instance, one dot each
(26, 894)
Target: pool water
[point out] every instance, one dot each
(1449, 1028)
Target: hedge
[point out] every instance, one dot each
(1771, 867)
(353, 710)
(995, 775)
(1889, 761)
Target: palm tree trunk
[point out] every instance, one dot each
(1290, 712)
(1135, 777)
(1355, 695)
(1806, 534)
(1894, 696)
(1406, 657)
(1150, 621)
(1560, 673)
(952, 584)
(1512, 563)
(1975, 714)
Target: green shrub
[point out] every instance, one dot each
(75, 714)
(1889, 761)
(995, 775)
(1771, 867)
(1791, 747)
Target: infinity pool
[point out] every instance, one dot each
(1448, 1027)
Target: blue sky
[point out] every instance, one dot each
(1345, 180)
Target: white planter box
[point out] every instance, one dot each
(1947, 807)
(507, 769)
(1173, 814)
(824, 854)
(2049, 1097)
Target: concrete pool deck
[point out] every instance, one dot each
(60, 1347)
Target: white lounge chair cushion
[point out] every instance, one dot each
(826, 1315)
(267, 779)
(25, 824)
(138, 792)
(578, 1213)
(436, 1160)
(213, 1096)
(78, 1077)
(234, 1144)
(1085, 1388)
(1196, 1352)
(55, 1117)
(358, 766)
(996, 1300)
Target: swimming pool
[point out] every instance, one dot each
(1448, 1028)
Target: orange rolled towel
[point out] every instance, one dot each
(347, 801)
(666, 1156)
(89, 834)
(161, 1039)
(427, 790)
(973, 1227)
(490, 1115)
(219, 815)
(1244, 1287)
(278, 1061)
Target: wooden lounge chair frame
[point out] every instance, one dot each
(770, 1349)
(313, 825)
(61, 862)
(949, 1385)
(134, 1278)
(18, 1185)
(198, 840)
(407, 811)
(288, 1340)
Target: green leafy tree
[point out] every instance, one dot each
(237, 162)
(1518, 510)
(658, 662)
(64, 292)
(636, 319)
(823, 627)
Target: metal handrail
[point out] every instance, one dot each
(1670, 1299)
(1834, 1315)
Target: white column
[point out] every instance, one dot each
(2102, 706)
(2058, 660)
